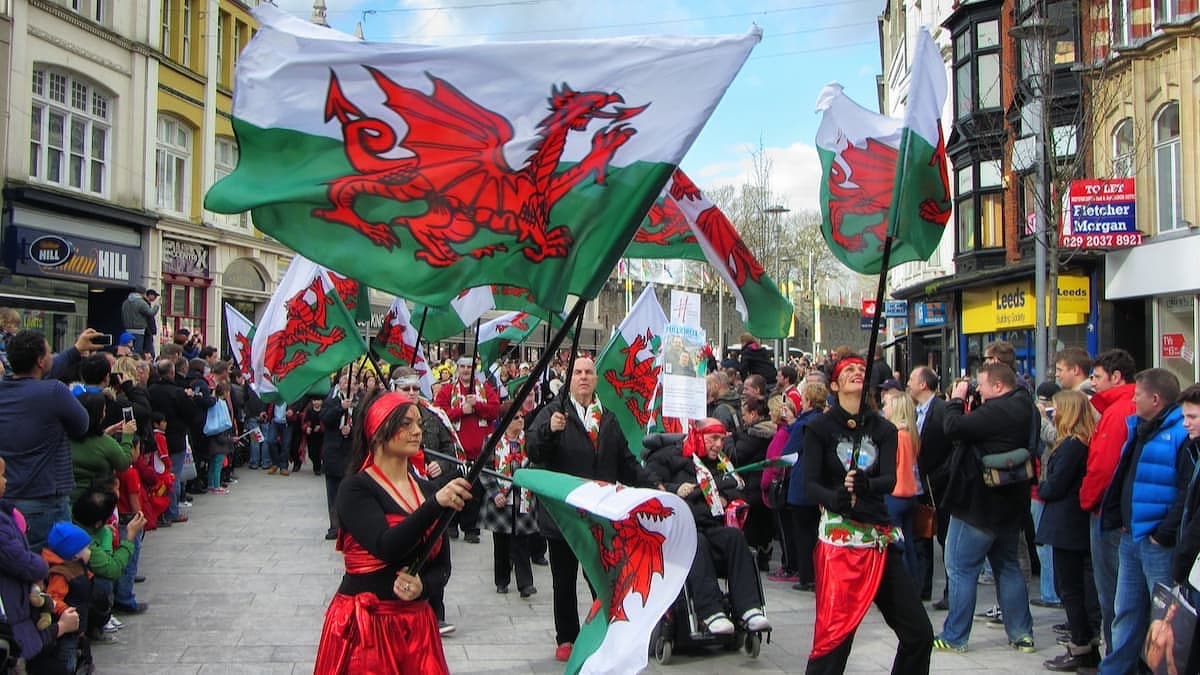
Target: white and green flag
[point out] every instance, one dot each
(885, 175)
(305, 335)
(629, 368)
(240, 332)
(439, 323)
(425, 170)
(497, 335)
(636, 547)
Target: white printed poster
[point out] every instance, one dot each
(685, 308)
(683, 369)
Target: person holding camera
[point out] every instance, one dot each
(985, 522)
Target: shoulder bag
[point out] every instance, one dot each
(1014, 466)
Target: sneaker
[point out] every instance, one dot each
(1023, 645)
(563, 652)
(218, 491)
(185, 502)
(786, 576)
(1063, 640)
(110, 627)
(756, 621)
(1061, 629)
(941, 645)
(116, 622)
(103, 638)
(992, 612)
(446, 628)
(719, 624)
(252, 467)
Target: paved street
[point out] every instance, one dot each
(242, 588)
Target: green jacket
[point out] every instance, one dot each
(97, 456)
(105, 562)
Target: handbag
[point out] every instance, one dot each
(1014, 466)
(188, 470)
(925, 516)
(217, 420)
(1168, 645)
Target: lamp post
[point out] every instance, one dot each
(1036, 32)
(777, 211)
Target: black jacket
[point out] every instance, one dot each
(828, 445)
(750, 446)
(335, 450)
(571, 451)
(1187, 547)
(168, 398)
(1064, 523)
(754, 360)
(935, 448)
(667, 466)
(997, 426)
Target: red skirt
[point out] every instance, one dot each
(368, 636)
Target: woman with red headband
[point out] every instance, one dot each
(849, 465)
(380, 621)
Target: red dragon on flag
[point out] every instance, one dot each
(639, 377)
(635, 552)
(306, 331)
(448, 133)
(667, 226)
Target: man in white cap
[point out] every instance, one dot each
(473, 407)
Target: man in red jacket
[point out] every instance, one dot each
(473, 407)
(1112, 376)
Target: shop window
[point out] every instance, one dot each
(1168, 181)
(185, 307)
(1120, 20)
(69, 132)
(1177, 336)
(172, 159)
(226, 162)
(977, 68)
(1123, 150)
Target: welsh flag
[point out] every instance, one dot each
(396, 343)
(884, 175)
(240, 332)
(426, 170)
(636, 547)
(629, 369)
(684, 224)
(496, 335)
(454, 318)
(306, 334)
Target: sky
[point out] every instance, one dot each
(806, 44)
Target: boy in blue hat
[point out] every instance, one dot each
(69, 582)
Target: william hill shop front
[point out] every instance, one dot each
(1007, 311)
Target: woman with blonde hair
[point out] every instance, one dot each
(1064, 526)
(899, 409)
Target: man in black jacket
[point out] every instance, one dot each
(754, 359)
(575, 435)
(168, 398)
(931, 465)
(985, 522)
(1187, 548)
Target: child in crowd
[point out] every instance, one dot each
(314, 433)
(130, 498)
(160, 459)
(92, 512)
(69, 583)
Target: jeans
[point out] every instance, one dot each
(177, 493)
(214, 470)
(1045, 556)
(40, 516)
(123, 593)
(1142, 564)
(966, 549)
(1106, 547)
(278, 436)
(901, 509)
(260, 455)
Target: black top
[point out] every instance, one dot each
(1064, 523)
(1188, 546)
(362, 507)
(666, 465)
(828, 445)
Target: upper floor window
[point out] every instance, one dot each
(1165, 11)
(185, 30)
(172, 159)
(1168, 179)
(1121, 21)
(980, 206)
(166, 26)
(1123, 152)
(69, 132)
(977, 68)
(226, 162)
(222, 18)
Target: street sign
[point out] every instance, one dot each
(1100, 214)
(895, 309)
(1172, 345)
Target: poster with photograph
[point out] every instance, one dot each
(683, 369)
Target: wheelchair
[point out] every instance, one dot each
(681, 627)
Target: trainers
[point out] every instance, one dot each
(755, 620)
(1023, 645)
(446, 628)
(941, 645)
(719, 624)
(111, 627)
(218, 491)
(989, 613)
(783, 575)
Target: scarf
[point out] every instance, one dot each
(510, 456)
(708, 487)
(458, 394)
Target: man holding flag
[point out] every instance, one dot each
(472, 407)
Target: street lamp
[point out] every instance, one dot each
(1036, 32)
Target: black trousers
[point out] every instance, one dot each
(468, 519)
(925, 551)
(1076, 587)
(332, 483)
(785, 523)
(537, 546)
(510, 554)
(760, 526)
(722, 552)
(564, 570)
(901, 608)
(315, 444)
(807, 518)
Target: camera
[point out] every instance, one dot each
(102, 339)
(127, 414)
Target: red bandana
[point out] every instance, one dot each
(694, 443)
(378, 412)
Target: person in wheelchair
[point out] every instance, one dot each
(698, 471)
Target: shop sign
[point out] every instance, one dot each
(40, 253)
(929, 314)
(895, 309)
(1100, 214)
(1013, 306)
(867, 316)
(185, 258)
(1172, 346)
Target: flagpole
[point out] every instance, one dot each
(474, 357)
(872, 341)
(420, 332)
(457, 462)
(489, 447)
